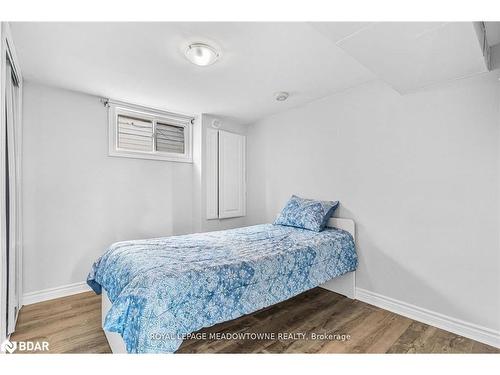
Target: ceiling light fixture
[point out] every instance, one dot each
(202, 54)
(281, 96)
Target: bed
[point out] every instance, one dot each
(156, 292)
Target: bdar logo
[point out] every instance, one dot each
(24, 346)
(8, 346)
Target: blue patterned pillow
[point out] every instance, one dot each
(306, 213)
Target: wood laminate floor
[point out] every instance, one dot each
(73, 325)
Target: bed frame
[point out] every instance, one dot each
(345, 285)
(115, 340)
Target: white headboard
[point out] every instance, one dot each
(345, 224)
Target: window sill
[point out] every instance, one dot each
(152, 156)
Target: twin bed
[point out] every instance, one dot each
(157, 291)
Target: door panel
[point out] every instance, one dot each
(232, 189)
(212, 179)
(11, 200)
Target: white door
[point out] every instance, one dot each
(10, 184)
(232, 189)
(11, 90)
(212, 173)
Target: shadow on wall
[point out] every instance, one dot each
(407, 286)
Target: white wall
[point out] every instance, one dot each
(418, 173)
(78, 200)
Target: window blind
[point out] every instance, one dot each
(135, 134)
(169, 138)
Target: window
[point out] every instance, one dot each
(145, 133)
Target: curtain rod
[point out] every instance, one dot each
(107, 102)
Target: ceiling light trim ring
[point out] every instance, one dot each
(202, 54)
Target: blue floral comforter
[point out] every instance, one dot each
(162, 289)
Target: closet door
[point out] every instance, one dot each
(10, 184)
(12, 197)
(212, 173)
(232, 189)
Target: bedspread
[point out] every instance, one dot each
(162, 289)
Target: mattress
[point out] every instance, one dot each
(163, 289)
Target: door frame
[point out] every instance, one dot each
(7, 49)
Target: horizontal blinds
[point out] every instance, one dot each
(169, 138)
(135, 134)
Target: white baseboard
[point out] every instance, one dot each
(457, 326)
(57, 292)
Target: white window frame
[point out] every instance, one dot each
(117, 108)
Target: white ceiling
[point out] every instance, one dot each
(493, 33)
(412, 55)
(144, 62)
